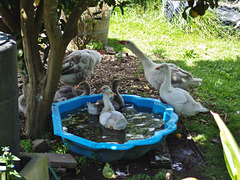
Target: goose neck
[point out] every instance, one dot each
(107, 104)
(86, 91)
(167, 79)
(145, 60)
(84, 85)
(115, 89)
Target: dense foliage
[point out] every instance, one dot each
(199, 7)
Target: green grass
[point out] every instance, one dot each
(206, 49)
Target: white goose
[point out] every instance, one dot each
(109, 117)
(117, 102)
(78, 65)
(182, 102)
(179, 77)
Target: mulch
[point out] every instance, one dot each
(129, 69)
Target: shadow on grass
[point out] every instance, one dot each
(218, 92)
(113, 42)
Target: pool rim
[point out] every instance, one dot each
(170, 124)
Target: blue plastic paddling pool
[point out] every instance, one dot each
(110, 152)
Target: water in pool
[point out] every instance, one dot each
(142, 124)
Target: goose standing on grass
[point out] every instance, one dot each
(67, 92)
(78, 65)
(182, 102)
(118, 102)
(179, 77)
(109, 117)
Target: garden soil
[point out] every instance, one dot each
(185, 158)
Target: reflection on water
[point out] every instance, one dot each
(142, 124)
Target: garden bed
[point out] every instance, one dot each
(133, 81)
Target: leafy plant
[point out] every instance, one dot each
(95, 45)
(8, 159)
(160, 176)
(26, 145)
(230, 148)
(190, 54)
(108, 171)
(112, 3)
(140, 177)
(144, 94)
(88, 22)
(82, 161)
(199, 7)
(95, 156)
(61, 148)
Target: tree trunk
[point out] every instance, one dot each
(42, 83)
(35, 69)
(39, 91)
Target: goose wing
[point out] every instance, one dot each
(175, 96)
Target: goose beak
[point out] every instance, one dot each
(79, 85)
(100, 90)
(122, 42)
(101, 52)
(157, 68)
(114, 94)
(120, 79)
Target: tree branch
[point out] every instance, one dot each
(71, 29)
(39, 16)
(51, 19)
(30, 41)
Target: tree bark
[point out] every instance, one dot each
(42, 83)
(35, 69)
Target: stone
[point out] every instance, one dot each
(160, 157)
(36, 168)
(109, 50)
(40, 145)
(61, 160)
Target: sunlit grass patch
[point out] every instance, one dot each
(203, 47)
